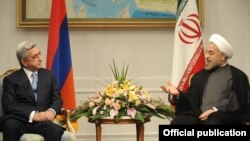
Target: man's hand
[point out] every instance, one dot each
(39, 116)
(44, 116)
(50, 116)
(170, 89)
(206, 114)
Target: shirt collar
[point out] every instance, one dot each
(223, 65)
(28, 72)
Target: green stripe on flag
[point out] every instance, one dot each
(180, 6)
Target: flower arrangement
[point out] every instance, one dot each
(121, 98)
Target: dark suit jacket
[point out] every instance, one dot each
(18, 100)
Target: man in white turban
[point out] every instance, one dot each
(222, 44)
(218, 94)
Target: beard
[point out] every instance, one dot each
(211, 65)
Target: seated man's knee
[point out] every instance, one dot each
(56, 130)
(12, 125)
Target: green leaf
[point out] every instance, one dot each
(119, 76)
(142, 108)
(139, 116)
(154, 113)
(167, 112)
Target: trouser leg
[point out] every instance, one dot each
(220, 117)
(13, 129)
(49, 130)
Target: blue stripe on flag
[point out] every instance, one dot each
(62, 61)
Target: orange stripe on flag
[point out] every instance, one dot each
(68, 92)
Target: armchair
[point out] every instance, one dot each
(68, 134)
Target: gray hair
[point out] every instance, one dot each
(22, 50)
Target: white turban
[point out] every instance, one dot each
(222, 44)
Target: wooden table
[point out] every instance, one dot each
(139, 126)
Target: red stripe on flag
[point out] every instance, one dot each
(196, 64)
(58, 12)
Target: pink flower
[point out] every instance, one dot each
(150, 106)
(107, 101)
(116, 106)
(131, 112)
(91, 104)
(113, 113)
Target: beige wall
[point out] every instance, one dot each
(148, 51)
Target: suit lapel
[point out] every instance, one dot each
(24, 80)
(40, 85)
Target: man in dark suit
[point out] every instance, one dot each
(31, 98)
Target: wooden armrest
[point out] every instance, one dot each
(10, 71)
(69, 126)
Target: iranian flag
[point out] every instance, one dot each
(188, 55)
